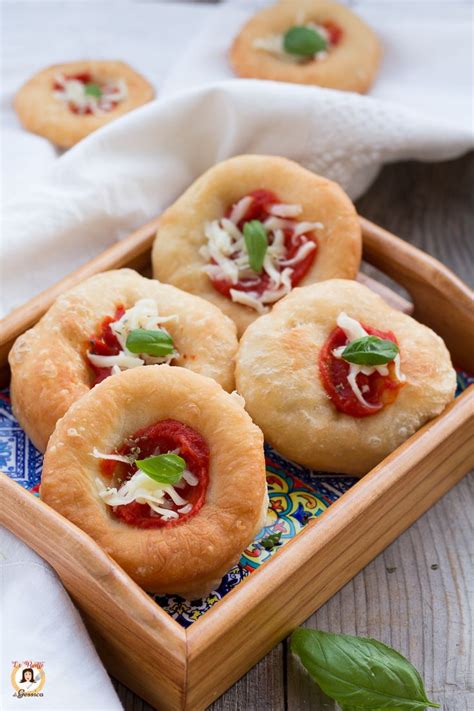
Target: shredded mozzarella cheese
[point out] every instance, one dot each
(354, 330)
(143, 315)
(73, 92)
(240, 208)
(226, 247)
(142, 489)
(280, 210)
(243, 297)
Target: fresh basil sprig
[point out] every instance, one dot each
(256, 243)
(370, 350)
(153, 343)
(164, 468)
(92, 89)
(359, 673)
(303, 41)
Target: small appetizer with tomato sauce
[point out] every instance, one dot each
(66, 102)
(308, 42)
(166, 471)
(252, 228)
(113, 322)
(337, 379)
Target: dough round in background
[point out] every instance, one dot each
(43, 113)
(190, 557)
(49, 365)
(176, 253)
(350, 65)
(278, 375)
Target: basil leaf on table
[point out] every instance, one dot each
(360, 673)
(256, 243)
(153, 343)
(370, 350)
(164, 468)
(303, 41)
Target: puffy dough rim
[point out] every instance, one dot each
(351, 66)
(39, 112)
(48, 365)
(283, 350)
(188, 558)
(175, 254)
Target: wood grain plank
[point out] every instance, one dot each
(415, 597)
(431, 206)
(262, 689)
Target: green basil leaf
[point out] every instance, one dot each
(256, 243)
(370, 350)
(92, 89)
(164, 468)
(153, 343)
(360, 673)
(304, 41)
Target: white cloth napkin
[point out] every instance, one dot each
(40, 624)
(126, 173)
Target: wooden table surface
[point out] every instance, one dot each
(415, 595)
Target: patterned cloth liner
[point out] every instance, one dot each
(297, 496)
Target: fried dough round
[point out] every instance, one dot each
(40, 112)
(49, 365)
(176, 258)
(351, 65)
(191, 557)
(278, 375)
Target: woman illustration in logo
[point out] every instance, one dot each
(28, 678)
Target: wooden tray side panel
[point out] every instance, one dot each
(324, 557)
(136, 639)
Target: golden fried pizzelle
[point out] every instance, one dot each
(190, 557)
(49, 366)
(350, 65)
(177, 251)
(42, 112)
(278, 374)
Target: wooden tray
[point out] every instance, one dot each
(175, 668)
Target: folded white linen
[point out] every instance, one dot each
(127, 172)
(41, 625)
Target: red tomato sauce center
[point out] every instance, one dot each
(378, 390)
(259, 210)
(162, 437)
(105, 343)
